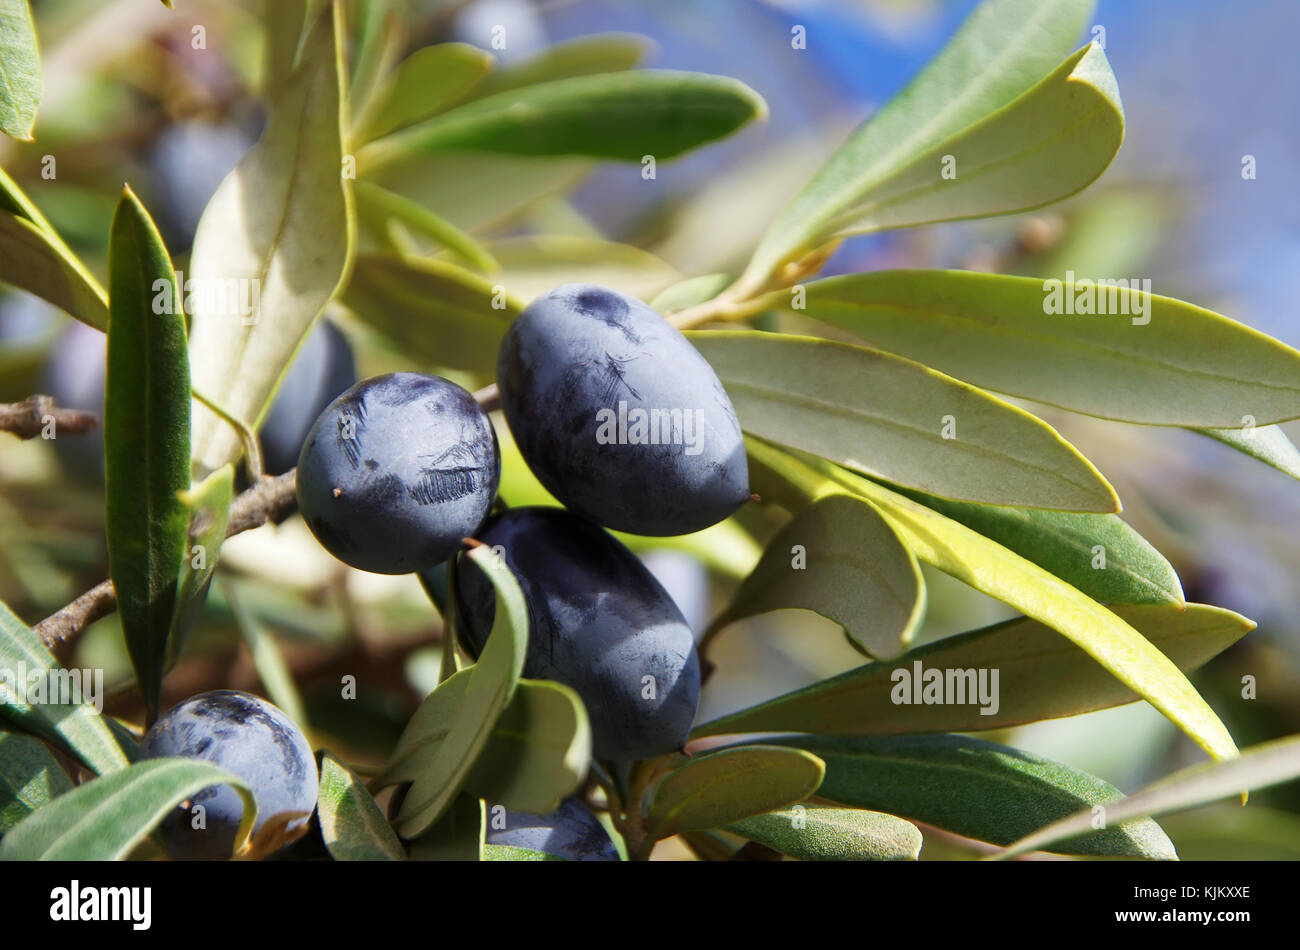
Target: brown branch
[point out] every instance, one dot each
(28, 419)
(272, 500)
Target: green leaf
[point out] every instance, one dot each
(817, 833)
(351, 824)
(270, 250)
(506, 852)
(434, 311)
(34, 258)
(1185, 366)
(691, 291)
(1259, 766)
(1041, 675)
(422, 85)
(998, 56)
(378, 208)
(973, 788)
(267, 659)
(535, 264)
(106, 818)
(457, 836)
(283, 25)
(146, 441)
(207, 507)
(1269, 444)
(30, 777)
(620, 116)
(714, 790)
(1066, 544)
(537, 755)
(489, 687)
(582, 56)
(77, 727)
(838, 557)
(539, 752)
(20, 70)
(998, 572)
(904, 422)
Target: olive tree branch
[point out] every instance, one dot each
(28, 419)
(270, 500)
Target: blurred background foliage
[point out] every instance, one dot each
(129, 98)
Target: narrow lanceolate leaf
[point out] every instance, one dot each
(839, 558)
(1101, 555)
(379, 210)
(270, 250)
(269, 662)
(422, 85)
(890, 417)
(351, 824)
(724, 787)
(434, 311)
(974, 788)
(146, 440)
(582, 56)
(539, 752)
(489, 686)
(66, 718)
(689, 292)
(999, 55)
(34, 258)
(1260, 766)
(1040, 675)
(457, 835)
(1145, 358)
(30, 777)
(1269, 444)
(818, 833)
(975, 560)
(207, 507)
(106, 818)
(618, 116)
(20, 70)
(537, 755)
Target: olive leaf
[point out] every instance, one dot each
(1259, 766)
(20, 70)
(271, 249)
(422, 85)
(77, 727)
(106, 818)
(899, 420)
(1163, 362)
(34, 258)
(1018, 139)
(488, 688)
(838, 557)
(723, 787)
(1269, 444)
(621, 116)
(973, 788)
(146, 442)
(351, 824)
(820, 833)
(580, 56)
(30, 777)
